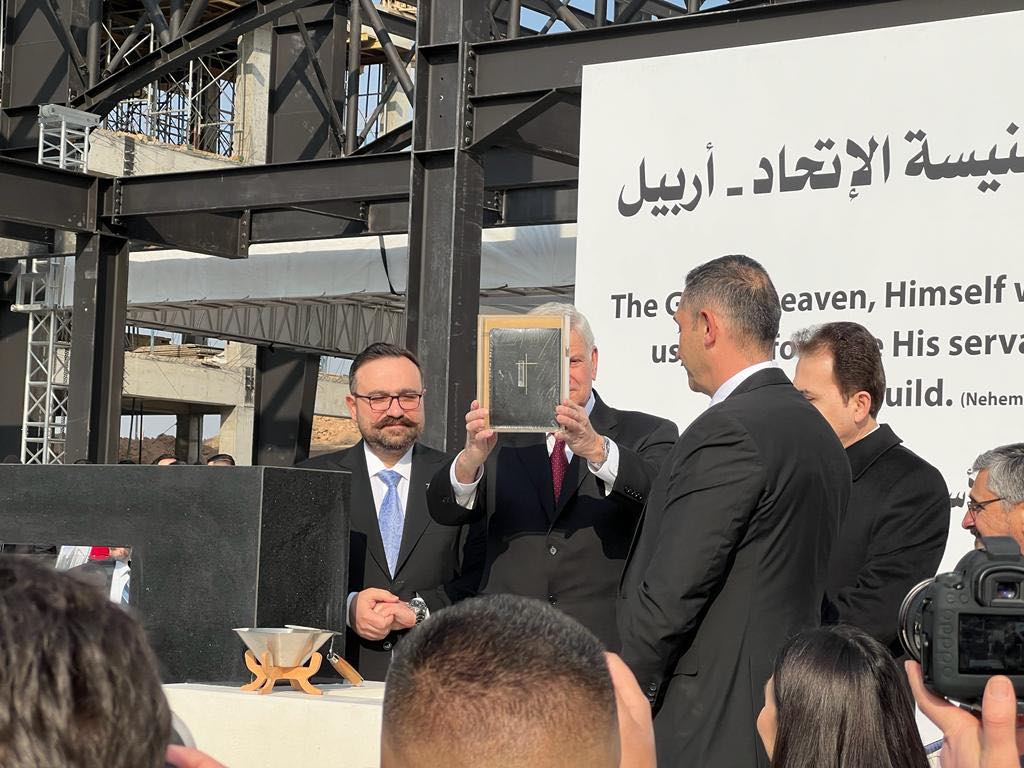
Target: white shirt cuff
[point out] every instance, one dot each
(348, 608)
(608, 471)
(465, 493)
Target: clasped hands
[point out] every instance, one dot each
(574, 428)
(376, 612)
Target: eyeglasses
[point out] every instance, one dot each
(975, 507)
(407, 401)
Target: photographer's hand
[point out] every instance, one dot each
(991, 742)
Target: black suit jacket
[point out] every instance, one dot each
(892, 537)
(730, 561)
(429, 560)
(568, 552)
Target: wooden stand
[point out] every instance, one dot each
(267, 674)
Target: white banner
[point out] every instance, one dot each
(874, 178)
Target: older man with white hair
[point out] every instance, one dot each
(560, 509)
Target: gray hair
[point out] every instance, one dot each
(741, 288)
(1005, 466)
(577, 320)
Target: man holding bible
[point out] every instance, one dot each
(560, 508)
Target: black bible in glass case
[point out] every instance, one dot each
(523, 370)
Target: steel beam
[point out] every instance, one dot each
(285, 396)
(97, 349)
(530, 67)
(360, 178)
(446, 215)
(178, 52)
(13, 353)
(216, 234)
(26, 233)
(328, 326)
(43, 196)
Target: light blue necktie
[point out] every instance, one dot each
(391, 518)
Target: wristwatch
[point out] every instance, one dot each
(419, 607)
(607, 442)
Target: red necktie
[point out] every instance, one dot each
(558, 466)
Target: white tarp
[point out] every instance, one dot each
(514, 257)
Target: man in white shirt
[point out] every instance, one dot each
(402, 565)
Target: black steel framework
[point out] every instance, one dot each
(495, 140)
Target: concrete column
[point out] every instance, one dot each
(236, 433)
(237, 423)
(252, 96)
(188, 438)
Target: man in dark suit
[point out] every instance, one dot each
(897, 521)
(559, 509)
(402, 564)
(733, 548)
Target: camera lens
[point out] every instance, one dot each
(911, 611)
(1007, 590)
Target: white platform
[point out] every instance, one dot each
(284, 728)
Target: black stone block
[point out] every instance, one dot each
(212, 548)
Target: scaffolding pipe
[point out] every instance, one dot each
(568, 17)
(385, 96)
(626, 14)
(195, 13)
(515, 8)
(177, 14)
(92, 43)
(163, 32)
(322, 86)
(127, 45)
(390, 51)
(355, 36)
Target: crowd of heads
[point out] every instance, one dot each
(171, 460)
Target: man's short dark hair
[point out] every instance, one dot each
(377, 351)
(740, 288)
(78, 681)
(856, 359)
(163, 456)
(227, 458)
(500, 681)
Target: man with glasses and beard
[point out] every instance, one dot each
(402, 564)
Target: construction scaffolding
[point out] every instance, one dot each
(48, 365)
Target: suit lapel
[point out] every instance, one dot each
(416, 515)
(603, 419)
(364, 511)
(532, 451)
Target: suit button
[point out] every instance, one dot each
(553, 550)
(552, 599)
(652, 687)
(388, 645)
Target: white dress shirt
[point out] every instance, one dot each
(730, 384)
(465, 493)
(378, 487)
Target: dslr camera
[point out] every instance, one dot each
(967, 625)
